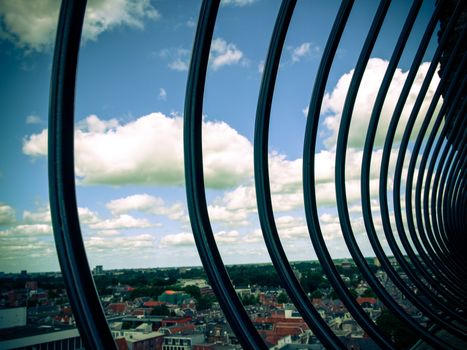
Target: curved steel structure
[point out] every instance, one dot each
(426, 237)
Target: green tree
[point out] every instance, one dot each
(312, 281)
(205, 303)
(249, 300)
(316, 294)
(160, 310)
(193, 291)
(282, 298)
(394, 328)
(368, 293)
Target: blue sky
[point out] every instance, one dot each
(129, 108)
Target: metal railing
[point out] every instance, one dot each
(434, 220)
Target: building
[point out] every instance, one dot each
(137, 340)
(98, 270)
(173, 297)
(13, 317)
(182, 342)
(41, 337)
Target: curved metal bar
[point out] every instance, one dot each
(422, 247)
(446, 267)
(447, 166)
(458, 128)
(452, 179)
(341, 197)
(439, 180)
(438, 189)
(449, 267)
(312, 213)
(460, 192)
(421, 270)
(195, 190)
(437, 246)
(386, 155)
(79, 283)
(457, 192)
(430, 217)
(365, 178)
(455, 181)
(262, 184)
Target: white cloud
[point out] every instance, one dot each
(333, 103)
(36, 144)
(227, 216)
(32, 25)
(224, 54)
(227, 237)
(134, 244)
(179, 58)
(121, 222)
(147, 204)
(28, 230)
(7, 214)
(87, 216)
(148, 150)
(178, 65)
(41, 215)
(191, 23)
(162, 94)
(291, 227)
(237, 3)
(33, 119)
(303, 50)
(261, 67)
(178, 240)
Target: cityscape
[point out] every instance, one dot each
(233, 174)
(176, 309)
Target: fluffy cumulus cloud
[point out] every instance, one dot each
(162, 94)
(33, 119)
(302, 51)
(177, 240)
(237, 3)
(224, 54)
(7, 214)
(148, 150)
(132, 244)
(32, 25)
(121, 222)
(42, 215)
(147, 204)
(333, 103)
(178, 58)
(27, 230)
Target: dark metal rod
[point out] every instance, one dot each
(341, 197)
(438, 189)
(365, 178)
(420, 268)
(437, 267)
(79, 283)
(263, 191)
(312, 213)
(447, 267)
(430, 216)
(449, 105)
(196, 197)
(456, 134)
